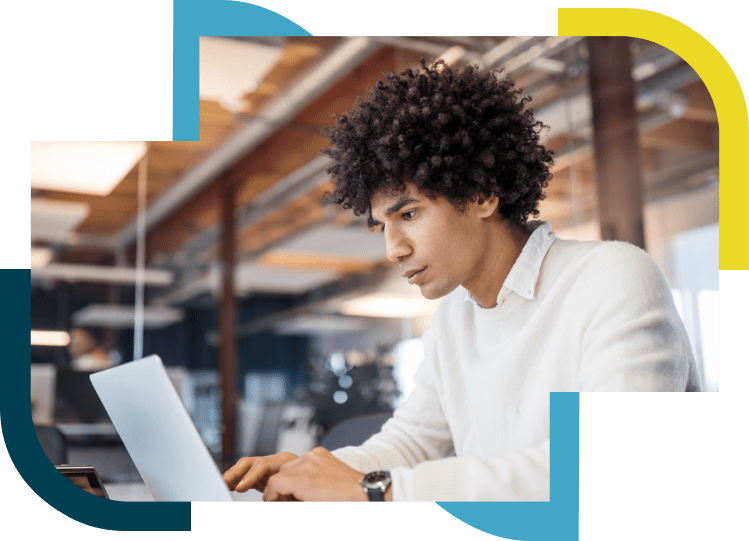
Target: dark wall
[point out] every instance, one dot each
(51, 309)
(184, 343)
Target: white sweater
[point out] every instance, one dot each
(571, 316)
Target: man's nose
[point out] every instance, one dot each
(396, 245)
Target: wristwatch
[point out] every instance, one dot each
(375, 484)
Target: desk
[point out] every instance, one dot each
(137, 492)
(89, 431)
(99, 444)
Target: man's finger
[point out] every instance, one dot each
(250, 479)
(234, 474)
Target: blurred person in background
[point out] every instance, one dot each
(86, 351)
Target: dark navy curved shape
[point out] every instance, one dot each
(24, 448)
(43, 478)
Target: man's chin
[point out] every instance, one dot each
(430, 292)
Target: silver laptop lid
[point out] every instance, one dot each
(159, 433)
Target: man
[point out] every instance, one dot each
(449, 167)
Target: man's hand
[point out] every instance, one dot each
(254, 472)
(315, 476)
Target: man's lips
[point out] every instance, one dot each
(412, 273)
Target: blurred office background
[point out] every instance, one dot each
(275, 310)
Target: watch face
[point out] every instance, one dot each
(376, 480)
(375, 484)
(377, 477)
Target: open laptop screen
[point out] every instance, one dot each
(159, 433)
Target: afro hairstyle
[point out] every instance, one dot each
(460, 134)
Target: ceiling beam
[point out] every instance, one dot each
(682, 134)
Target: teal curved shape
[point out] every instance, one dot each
(557, 519)
(195, 18)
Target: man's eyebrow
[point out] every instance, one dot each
(395, 207)
(399, 205)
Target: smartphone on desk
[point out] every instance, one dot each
(84, 477)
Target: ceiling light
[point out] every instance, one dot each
(251, 277)
(329, 241)
(70, 272)
(50, 338)
(320, 325)
(84, 167)
(388, 305)
(230, 69)
(53, 221)
(118, 316)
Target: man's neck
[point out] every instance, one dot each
(505, 243)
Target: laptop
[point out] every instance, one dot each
(159, 433)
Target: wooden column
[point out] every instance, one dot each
(617, 151)
(227, 323)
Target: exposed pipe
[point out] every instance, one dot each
(336, 65)
(504, 50)
(302, 180)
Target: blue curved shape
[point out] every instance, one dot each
(26, 452)
(557, 519)
(195, 18)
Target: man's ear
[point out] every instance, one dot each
(486, 206)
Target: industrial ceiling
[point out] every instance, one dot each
(264, 106)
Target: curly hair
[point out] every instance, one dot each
(459, 134)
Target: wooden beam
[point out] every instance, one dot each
(700, 106)
(683, 134)
(307, 261)
(617, 156)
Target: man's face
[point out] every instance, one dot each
(436, 246)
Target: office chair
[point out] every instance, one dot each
(354, 431)
(53, 442)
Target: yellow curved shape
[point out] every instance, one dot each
(725, 91)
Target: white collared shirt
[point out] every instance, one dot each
(571, 316)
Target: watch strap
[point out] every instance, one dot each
(375, 484)
(376, 494)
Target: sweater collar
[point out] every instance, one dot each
(524, 274)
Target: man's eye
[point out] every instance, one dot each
(409, 215)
